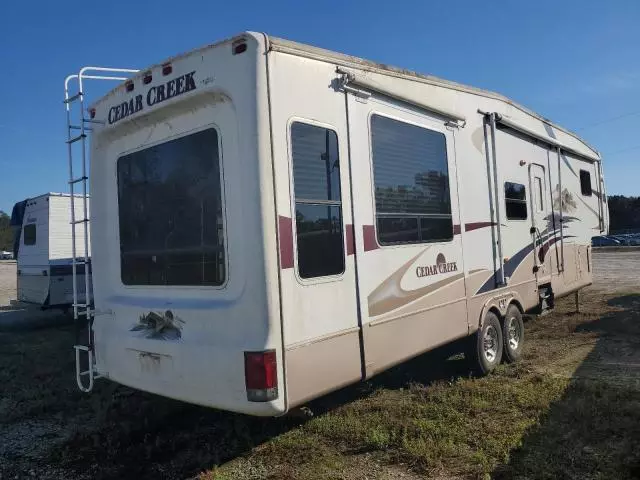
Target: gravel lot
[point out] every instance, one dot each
(7, 282)
(616, 270)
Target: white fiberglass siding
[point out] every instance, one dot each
(60, 244)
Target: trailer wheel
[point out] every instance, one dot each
(513, 334)
(486, 346)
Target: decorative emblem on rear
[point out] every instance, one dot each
(160, 326)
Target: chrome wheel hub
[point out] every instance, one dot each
(490, 344)
(514, 333)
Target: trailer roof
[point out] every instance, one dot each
(281, 44)
(55, 194)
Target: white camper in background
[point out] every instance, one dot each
(44, 250)
(272, 221)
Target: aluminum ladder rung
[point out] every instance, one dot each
(73, 98)
(78, 180)
(82, 220)
(88, 120)
(76, 127)
(75, 139)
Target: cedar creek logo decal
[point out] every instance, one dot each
(173, 88)
(441, 266)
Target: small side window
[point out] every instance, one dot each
(29, 234)
(515, 198)
(585, 183)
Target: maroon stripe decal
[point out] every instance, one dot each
(286, 242)
(369, 238)
(468, 227)
(350, 239)
(456, 229)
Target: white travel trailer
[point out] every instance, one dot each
(272, 221)
(43, 250)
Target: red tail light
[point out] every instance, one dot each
(261, 376)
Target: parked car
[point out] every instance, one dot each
(4, 255)
(604, 241)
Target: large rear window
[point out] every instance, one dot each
(171, 215)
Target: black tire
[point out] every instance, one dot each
(513, 334)
(485, 348)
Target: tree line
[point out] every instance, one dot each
(6, 234)
(624, 214)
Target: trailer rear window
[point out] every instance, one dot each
(171, 214)
(29, 234)
(411, 175)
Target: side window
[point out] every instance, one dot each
(318, 200)
(585, 183)
(29, 234)
(515, 199)
(411, 180)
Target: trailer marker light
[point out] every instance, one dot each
(167, 69)
(239, 48)
(129, 86)
(92, 112)
(147, 78)
(261, 376)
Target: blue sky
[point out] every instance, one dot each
(575, 62)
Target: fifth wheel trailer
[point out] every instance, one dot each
(43, 249)
(272, 221)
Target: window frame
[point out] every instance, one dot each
(223, 200)
(504, 193)
(539, 188)
(419, 217)
(582, 189)
(292, 198)
(35, 235)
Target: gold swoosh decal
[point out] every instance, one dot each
(390, 295)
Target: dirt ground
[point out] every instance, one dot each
(573, 410)
(7, 281)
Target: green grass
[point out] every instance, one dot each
(562, 412)
(465, 428)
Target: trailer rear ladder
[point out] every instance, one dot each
(78, 127)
